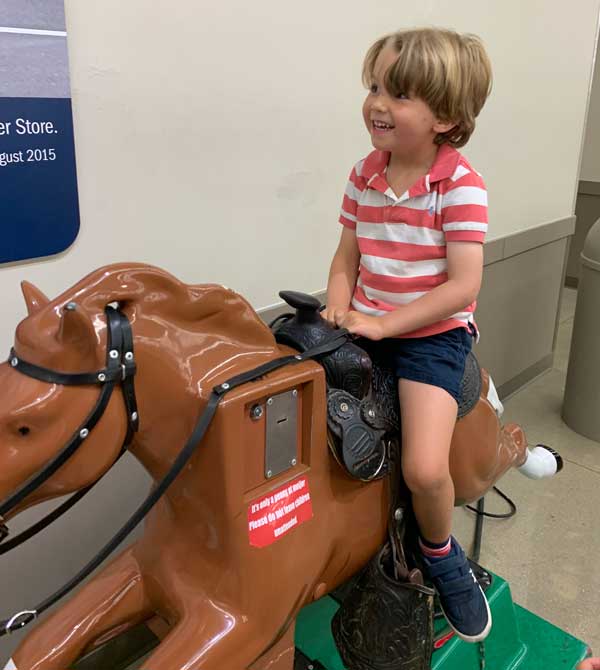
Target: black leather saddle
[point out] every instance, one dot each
(362, 394)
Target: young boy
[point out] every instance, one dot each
(408, 268)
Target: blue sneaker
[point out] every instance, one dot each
(462, 600)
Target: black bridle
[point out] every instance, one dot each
(120, 369)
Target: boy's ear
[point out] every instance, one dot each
(443, 126)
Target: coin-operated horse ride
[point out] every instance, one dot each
(274, 537)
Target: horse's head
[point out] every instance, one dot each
(187, 338)
(38, 418)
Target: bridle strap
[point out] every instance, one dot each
(39, 526)
(128, 369)
(117, 368)
(126, 373)
(21, 619)
(108, 374)
(63, 455)
(63, 508)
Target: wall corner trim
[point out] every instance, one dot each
(495, 250)
(501, 248)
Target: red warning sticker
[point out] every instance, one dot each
(277, 513)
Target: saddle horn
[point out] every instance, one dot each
(34, 298)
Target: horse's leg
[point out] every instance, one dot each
(113, 597)
(210, 638)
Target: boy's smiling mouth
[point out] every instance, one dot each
(381, 126)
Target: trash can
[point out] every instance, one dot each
(581, 407)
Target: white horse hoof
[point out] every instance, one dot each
(542, 462)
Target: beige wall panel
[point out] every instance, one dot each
(517, 311)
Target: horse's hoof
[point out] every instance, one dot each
(557, 456)
(542, 462)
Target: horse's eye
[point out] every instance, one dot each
(24, 430)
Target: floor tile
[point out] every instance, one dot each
(568, 301)
(563, 346)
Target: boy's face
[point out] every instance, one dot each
(403, 125)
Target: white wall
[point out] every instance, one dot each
(590, 164)
(214, 139)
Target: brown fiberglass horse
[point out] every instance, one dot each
(232, 551)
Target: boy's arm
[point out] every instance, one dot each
(342, 277)
(465, 269)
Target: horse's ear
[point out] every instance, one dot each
(34, 298)
(76, 329)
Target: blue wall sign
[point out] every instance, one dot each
(38, 180)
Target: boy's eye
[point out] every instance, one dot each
(373, 88)
(401, 96)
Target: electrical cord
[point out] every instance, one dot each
(507, 515)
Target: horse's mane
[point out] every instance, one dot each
(150, 288)
(143, 291)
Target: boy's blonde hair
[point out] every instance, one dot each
(450, 72)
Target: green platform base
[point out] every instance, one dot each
(518, 640)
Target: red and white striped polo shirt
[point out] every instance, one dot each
(402, 240)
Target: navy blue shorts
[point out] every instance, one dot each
(438, 360)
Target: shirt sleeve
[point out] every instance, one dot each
(350, 200)
(465, 210)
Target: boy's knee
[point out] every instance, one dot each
(426, 479)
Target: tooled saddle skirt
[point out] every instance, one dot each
(362, 393)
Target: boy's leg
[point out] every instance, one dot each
(428, 420)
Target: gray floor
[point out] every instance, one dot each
(548, 551)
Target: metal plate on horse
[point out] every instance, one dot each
(281, 448)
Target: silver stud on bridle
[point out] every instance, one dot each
(24, 615)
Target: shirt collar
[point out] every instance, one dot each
(444, 166)
(445, 163)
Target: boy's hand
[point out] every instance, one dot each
(357, 323)
(334, 315)
(589, 664)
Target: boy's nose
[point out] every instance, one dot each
(379, 104)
